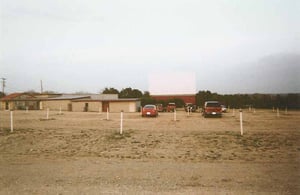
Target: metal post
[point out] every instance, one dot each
(121, 123)
(107, 114)
(286, 110)
(11, 121)
(241, 121)
(175, 115)
(47, 116)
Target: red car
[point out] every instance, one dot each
(149, 110)
(212, 108)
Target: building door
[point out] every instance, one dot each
(86, 107)
(6, 106)
(69, 107)
(105, 106)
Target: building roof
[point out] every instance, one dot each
(157, 95)
(96, 97)
(73, 97)
(104, 96)
(13, 96)
(69, 97)
(109, 100)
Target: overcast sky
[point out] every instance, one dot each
(232, 46)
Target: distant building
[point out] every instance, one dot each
(19, 101)
(113, 105)
(102, 102)
(70, 102)
(63, 102)
(187, 98)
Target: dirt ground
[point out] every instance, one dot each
(83, 153)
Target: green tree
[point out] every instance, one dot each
(147, 100)
(137, 93)
(203, 96)
(146, 94)
(50, 92)
(110, 90)
(130, 93)
(293, 101)
(2, 94)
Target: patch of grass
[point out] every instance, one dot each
(226, 180)
(118, 136)
(5, 131)
(44, 119)
(135, 142)
(230, 134)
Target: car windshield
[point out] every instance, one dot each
(213, 104)
(149, 106)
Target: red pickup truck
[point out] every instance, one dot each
(212, 108)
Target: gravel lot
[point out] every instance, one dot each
(83, 153)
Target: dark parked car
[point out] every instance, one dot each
(224, 109)
(171, 107)
(159, 107)
(212, 108)
(149, 110)
(190, 107)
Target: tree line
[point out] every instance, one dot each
(291, 100)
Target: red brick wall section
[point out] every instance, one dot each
(185, 98)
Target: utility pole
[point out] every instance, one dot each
(41, 86)
(3, 84)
